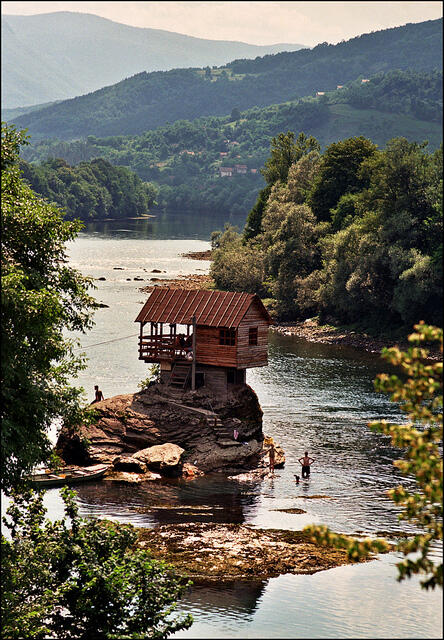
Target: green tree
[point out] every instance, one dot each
(41, 298)
(338, 174)
(236, 267)
(284, 153)
(419, 394)
(86, 580)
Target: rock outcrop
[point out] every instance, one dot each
(171, 432)
(166, 458)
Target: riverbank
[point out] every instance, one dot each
(312, 331)
(226, 552)
(188, 282)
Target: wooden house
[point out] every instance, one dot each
(203, 338)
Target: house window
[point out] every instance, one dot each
(227, 336)
(252, 335)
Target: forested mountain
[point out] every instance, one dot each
(149, 100)
(185, 159)
(55, 56)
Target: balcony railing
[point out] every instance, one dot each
(165, 347)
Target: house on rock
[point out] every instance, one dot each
(203, 338)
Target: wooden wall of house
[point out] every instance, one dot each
(209, 351)
(242, 354)
(215, 378)
(252, 355)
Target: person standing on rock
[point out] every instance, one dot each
(272, 457)
(98, 395)
(306, 461)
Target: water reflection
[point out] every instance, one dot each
(214, 498)
(164, 225)
(346, 602)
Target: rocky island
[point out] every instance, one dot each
(166, 431)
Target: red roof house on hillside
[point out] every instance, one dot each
(203, 337)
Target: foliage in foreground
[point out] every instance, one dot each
(42, 297)
(420, 397)
(86, 581)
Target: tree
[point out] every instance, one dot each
(83, 581)
(235, 114)
(284, 153)
(419, 393)
(41, 298)
(236, 267)
(338, 174)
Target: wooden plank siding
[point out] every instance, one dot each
(242, 354)
(252, 355)
(212, 312)
(209, 351)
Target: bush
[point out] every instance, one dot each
(87, 581)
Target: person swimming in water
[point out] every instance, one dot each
(306, 461)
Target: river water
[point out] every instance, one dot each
(314, 397)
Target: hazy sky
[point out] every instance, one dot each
(255, 22)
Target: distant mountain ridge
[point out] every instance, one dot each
(212, 164)
(149, 100)
(57, 56)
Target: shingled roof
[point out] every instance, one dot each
(211, 308)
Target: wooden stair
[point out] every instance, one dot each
(180, 375)
(224, 435)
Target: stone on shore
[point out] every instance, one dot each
(164, 457)
(131, 477)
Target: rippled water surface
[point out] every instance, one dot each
(315, 397)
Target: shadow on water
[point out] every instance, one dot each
(214, 498)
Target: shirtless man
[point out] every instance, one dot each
(99, 395)
(306, 461)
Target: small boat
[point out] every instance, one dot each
(68, 476)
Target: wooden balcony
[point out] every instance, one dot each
(154, 348)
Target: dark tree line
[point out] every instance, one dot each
(90, 190)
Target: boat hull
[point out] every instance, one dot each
(77, 476)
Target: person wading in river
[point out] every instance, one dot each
(271, 457)
(306, 461)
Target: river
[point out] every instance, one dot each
(315, 397)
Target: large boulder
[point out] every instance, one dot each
(165, 458)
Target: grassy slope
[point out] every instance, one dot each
(346, 121)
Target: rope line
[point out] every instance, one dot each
(105, 342)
